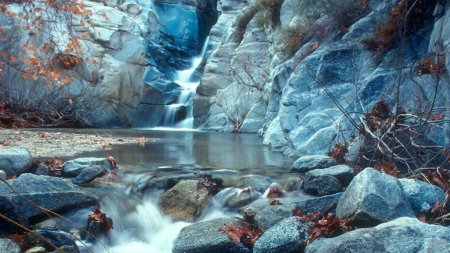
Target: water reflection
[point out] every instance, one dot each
(175, 148)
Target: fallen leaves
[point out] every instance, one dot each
(206, 181)
(55, 166)
(97, 216)
(242, 234)
(388, 168)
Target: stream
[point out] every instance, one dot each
(139, 225)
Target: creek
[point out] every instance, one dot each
(139, 225)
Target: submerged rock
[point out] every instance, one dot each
(184, 201)
(399, 235)
(372, 198)
(206, 237)
(15, 161)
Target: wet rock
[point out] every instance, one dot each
(2, 174)
(51, 193)
(89, 173)
(42, 169)
(56, 237)
(249, 214)
(328, 181)
(257, 182)
(8, 246)
(293, 184)
(421, 195)
(184, 201)
(15, 161)
(286, 236)
(206, 237)
(311, 162)
(242, 197)
(74, 167)
(271, 215)
(399, 235)
(167, 182)
(372, 198)
(67, 249)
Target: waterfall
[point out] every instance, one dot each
(183, 108)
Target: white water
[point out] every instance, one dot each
(185, 99)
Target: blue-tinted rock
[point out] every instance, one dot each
(372, 198)
(402, 235)
(8, 246)
(329, 180)
(285, 237)
(15, 161)
(421, 195)
(204, 237)
(73, 168)
(51, 193)
(311, 162)
(88, 174)
(271, 215)
(42, 169)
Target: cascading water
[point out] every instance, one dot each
(183, 106)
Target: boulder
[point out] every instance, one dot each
(422, 196)
(372, 198)
(56, 237)
(293, 184)
(42, 169)
(313, 205)
(206, 237)
(311, 162)
(36, 250)
(73, 168)
(8, 246)
(89, 173)
(184, 201)
(13, 212)
(15, 161)
(327, 181)
(2, 174)
(285, 237)
(399, 235)
(51, 193)
(271, 215)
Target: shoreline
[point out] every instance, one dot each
(46, 144)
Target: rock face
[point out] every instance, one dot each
(411, 235)
(15, 161)
(206, 237)
(51, 193)
(373, 197)
(121, 44)
(279, 75)
(184, 202)
(285, 236)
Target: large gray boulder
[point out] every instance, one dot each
(327, 181)
(203, 237)
(422, 196)
(372, 198)
(312, 162)
(15, 161)
(8, 246)
(285, 237)
(402, 235)
(89, 173)
(51, 193)
(184, 201)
